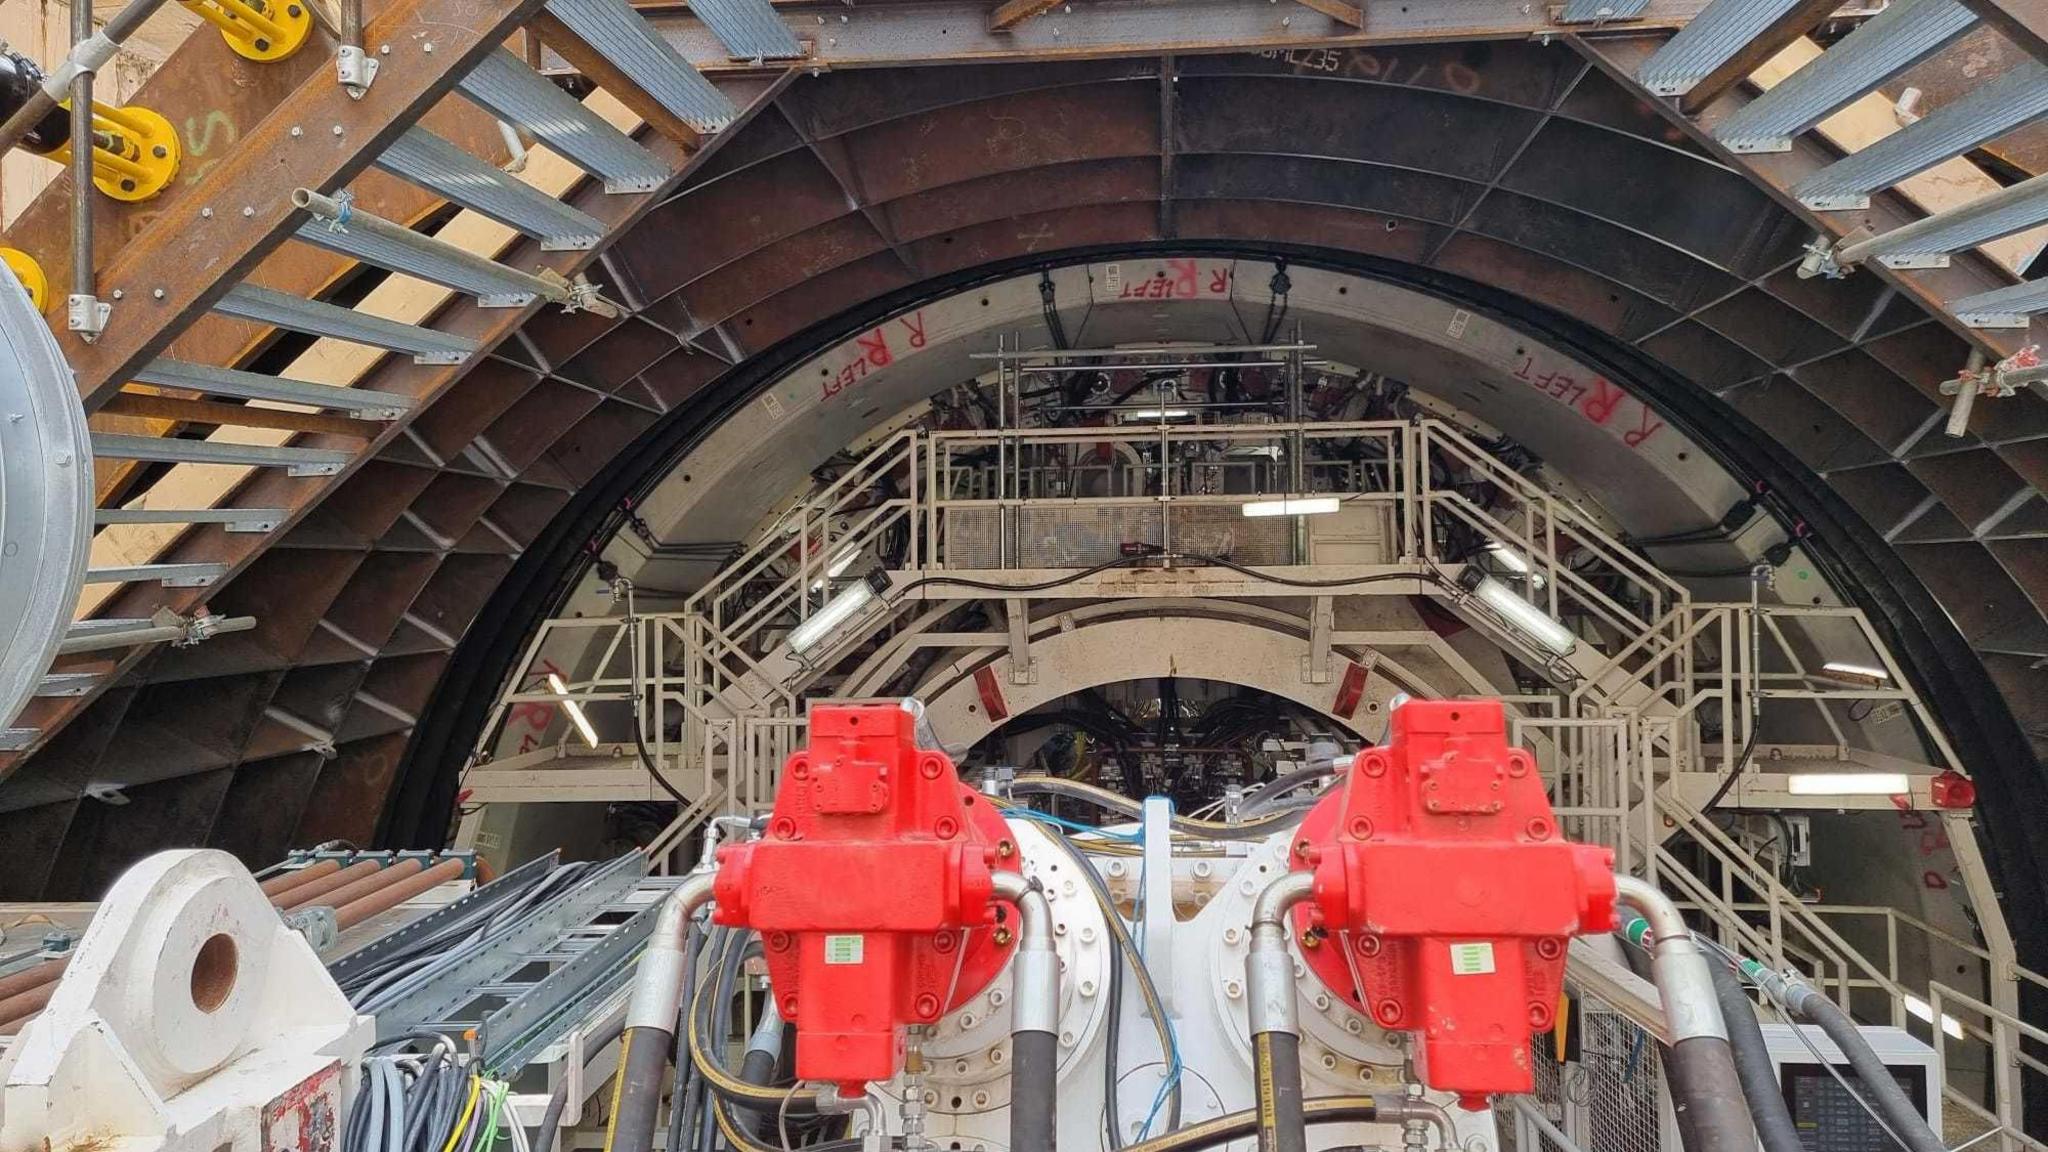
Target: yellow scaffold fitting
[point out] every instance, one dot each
(262, 30)
(30, 274)
(134, 154)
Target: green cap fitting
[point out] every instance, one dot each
(1637, 931)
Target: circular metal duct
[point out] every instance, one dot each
(46, 497)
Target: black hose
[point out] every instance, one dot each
(1753, 1065)
(1033, 1093)
(644, 1052)
(1891, 1100)
(1276, 1061)
(1238, 1125)
(1707, 1096)
(558, 1100)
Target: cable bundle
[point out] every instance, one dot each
(437, 1102)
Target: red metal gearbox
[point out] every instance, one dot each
(1445, 894)
(871, 891)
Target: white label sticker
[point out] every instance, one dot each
(1113, 278)
(1472, 959)
(1459, 319)
(851, 950)
(773, 404)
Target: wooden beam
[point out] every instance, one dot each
(2025, 21)
(1014, 12)
(1339, 11)
(1950, 184)
(1803, 17)
(173, 411)
(606, 75)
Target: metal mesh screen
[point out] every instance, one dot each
(1608, 1099)
(1049, 536)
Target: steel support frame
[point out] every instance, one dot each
(424, 382)
(957, 31)
(434, 42)
(1777, 174)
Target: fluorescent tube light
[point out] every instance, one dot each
(836, 611)
(1516, 563)
(1156, 414)
(1292, 506)
(1848, 784)
(1925, 1011)
(1856, 671)
(1527, 618)
(574, 710)
(838, 567)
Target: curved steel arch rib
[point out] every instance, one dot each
(1509, 176)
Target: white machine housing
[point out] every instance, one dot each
(191, 1019)
(1197, 958)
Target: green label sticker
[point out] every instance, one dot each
(851, 949)
(1472, 959)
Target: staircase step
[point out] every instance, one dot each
(2014, 99)
(505, 86)
(432, 163)
(748, 28)
(1894, 40)
(241, 385)
(233, 519)
(2010, 307)
(166, 450)
(169, 575)
(267, 306)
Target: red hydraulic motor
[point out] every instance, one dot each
(1445, 895)
(873, 891)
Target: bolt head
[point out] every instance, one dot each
(156, 294)
(337, 130)
(247, 211)
(262, 45)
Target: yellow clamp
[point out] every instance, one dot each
(134, 154)
(30, 274)
(261, 30)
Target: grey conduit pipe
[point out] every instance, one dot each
(764, 1045)
(651, 1018)
(1275, 1025)
(1706, 1093)
(1753, 1065)
(1891, 1101)
(1035, 1019)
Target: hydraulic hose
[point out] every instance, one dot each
(1034, 1028)
(651, 1019)
(1113, 802)
(1803, 1000)
(1275, 1027)
(1238, 1125)
(1753, 1066)
(1705, 1091)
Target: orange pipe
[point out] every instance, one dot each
(286, 881)
(392, 895)
(23, 1005)
(376, 881)
(312, 890)
(35, 977)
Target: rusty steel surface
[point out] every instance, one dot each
(1511, 165)
(315, 138)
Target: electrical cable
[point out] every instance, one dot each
(1734, 773)
(462, 1120)
(1113, 802)
(1128, 947)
